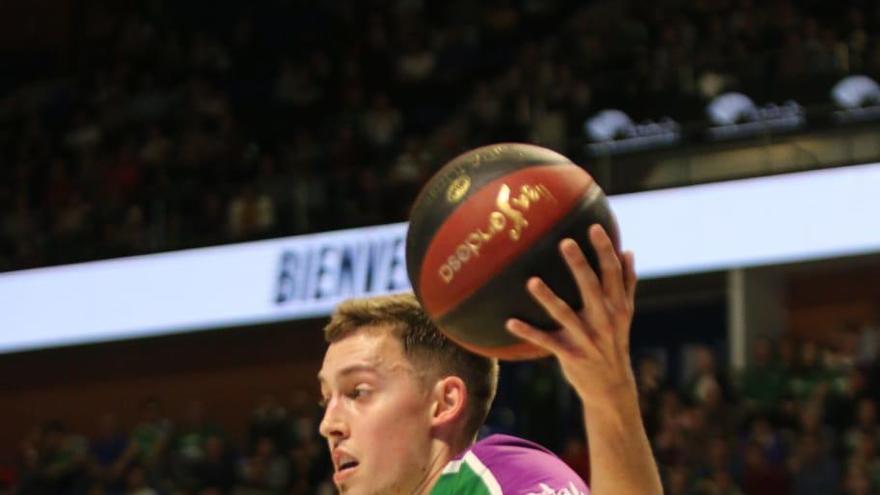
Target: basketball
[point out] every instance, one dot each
(485, 223)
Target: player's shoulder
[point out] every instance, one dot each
(506, 465)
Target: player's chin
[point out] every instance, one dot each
(350, 486)
(364, 487)
(344, 489)
(346, 478)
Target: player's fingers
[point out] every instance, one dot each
(555, 307)
(609, 264)
(629, 276)
(556, 342)
(535, 336)
(588, 284)
(630, 281)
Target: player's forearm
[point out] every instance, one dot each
(620, 455)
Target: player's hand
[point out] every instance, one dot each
(592, 345)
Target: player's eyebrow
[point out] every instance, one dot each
(351, 369)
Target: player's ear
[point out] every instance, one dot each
(448, 400)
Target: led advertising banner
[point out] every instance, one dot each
(221, 286)
(767, 220)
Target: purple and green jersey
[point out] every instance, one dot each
(505, 465)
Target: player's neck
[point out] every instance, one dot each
(441, 453)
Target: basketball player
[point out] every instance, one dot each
(404, 404)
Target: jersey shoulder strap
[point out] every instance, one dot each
(467, 476)
(504, 465)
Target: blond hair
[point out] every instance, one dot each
(424, 345)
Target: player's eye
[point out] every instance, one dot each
(360, 393)
(322, 402)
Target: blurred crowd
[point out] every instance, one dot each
(163, 128)
(281, 453)
(801, 419)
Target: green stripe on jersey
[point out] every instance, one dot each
(466, 477)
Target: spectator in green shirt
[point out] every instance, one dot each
(762, 383)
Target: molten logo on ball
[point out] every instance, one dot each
(497, 222)
(458, 189)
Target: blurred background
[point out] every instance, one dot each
(154, 127)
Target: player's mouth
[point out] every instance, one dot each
(345, 465)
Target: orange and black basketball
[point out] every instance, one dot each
(486, 222)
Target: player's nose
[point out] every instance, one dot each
(333, 424)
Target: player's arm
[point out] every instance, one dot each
(593, 350)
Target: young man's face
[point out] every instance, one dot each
(377, 418)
